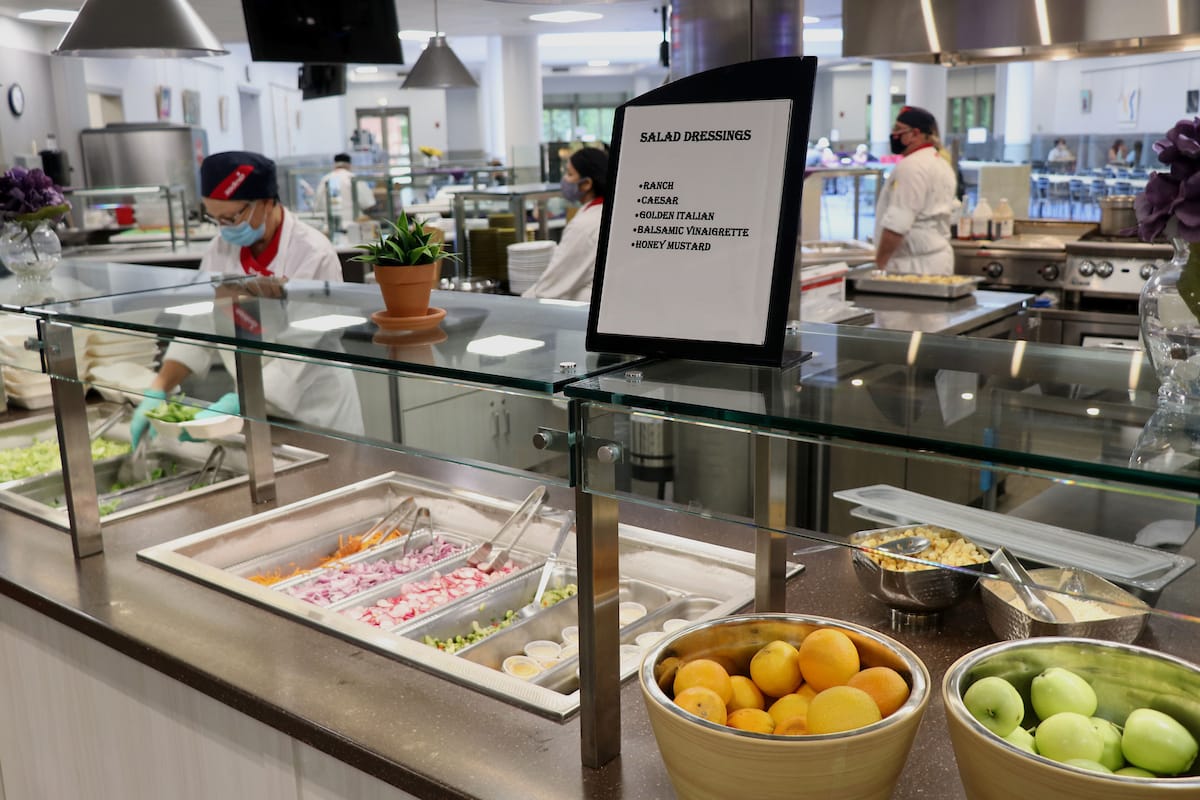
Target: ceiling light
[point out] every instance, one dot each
(1093, 412)
(419, 36)
(328, 322)
(438, 67)
(967, 395)
(366, 70)
(599, 62)
(857, 382)
(811, 20)
(501, 346)
(139, 29)
(49, 15)
(382, 101)
(894, 89)
(566, 16)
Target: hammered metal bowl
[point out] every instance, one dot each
(1009, 619)
(922, 591)
(1125, 677)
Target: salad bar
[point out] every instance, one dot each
(424, 594)
(31, 479)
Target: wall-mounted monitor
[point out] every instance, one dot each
(322, 80)
(323, 31)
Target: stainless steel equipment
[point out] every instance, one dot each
(979, 31)
(1116, 214)
(713, 33)
(144, 154)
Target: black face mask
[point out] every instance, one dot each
(897, 143)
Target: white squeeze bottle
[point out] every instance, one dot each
(981, 220)
(964, 221)
(1003, 220)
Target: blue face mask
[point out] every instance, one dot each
(243, 234)
(570, 190)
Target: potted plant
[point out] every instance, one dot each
(30, 204)
(407, 261)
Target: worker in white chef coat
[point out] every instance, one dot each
(259, 238)
(573, 265)
(335, 190)
(912, 216)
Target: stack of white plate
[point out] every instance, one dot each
(526, 263)
(24, 382)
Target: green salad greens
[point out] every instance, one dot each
(173, 412)
(42, 457)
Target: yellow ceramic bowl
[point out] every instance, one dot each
(1124, 677)
(714, 762)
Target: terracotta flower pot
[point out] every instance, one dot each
(406, 288)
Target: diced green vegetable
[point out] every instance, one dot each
(42, 457)
(552, 596)
(173, 412)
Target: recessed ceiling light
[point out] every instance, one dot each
(49, 15)
(566, 16)
(416, 36)
(599, 62)
(811, 20)
(366, 70)
(383, 101)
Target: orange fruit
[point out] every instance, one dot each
(751, 719)
(841, 708)
(793, 726)
(887, 687)
(788, 706)
(704, 703)
(745, 694)
(827, 657)
(806, 690)
(704, 672)
(775, 668)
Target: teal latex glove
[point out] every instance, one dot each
(228, 404)
(139, 424)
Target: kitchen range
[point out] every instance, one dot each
(1090, 281)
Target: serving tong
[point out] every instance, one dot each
(521, 518)
(112, 419)
(535, 605)
(390, 522)
(1040, 604)
(211, 469)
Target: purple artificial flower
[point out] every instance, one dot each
(24, 192)
(1174, 194)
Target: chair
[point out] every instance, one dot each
(1059, 196)
(1122, 187)
(1078, 194)
(1043, 194)
(1035, 197)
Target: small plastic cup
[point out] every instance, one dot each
(648, 639)
(543, 650)
(567, 651)
(570, 634)
(630, 612)
(630, 654)
(674, 624)
(522, 667)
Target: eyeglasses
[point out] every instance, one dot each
(901, 131)
(229, 219)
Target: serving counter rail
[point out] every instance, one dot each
(999, 424)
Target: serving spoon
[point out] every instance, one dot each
(904, 546)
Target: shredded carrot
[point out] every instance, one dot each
(347, 546)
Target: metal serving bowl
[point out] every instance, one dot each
(1125, 677)
(707, 761)
(923, 591)
(1009, 619)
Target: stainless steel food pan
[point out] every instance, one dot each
(943, 291)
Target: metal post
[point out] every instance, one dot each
(461, 242)
(258, 430)
(857, 186)
(599, 631)
(771, 515)
(74, 440)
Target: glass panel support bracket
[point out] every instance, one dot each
(57, 345)
(258, 430)
(771, 516)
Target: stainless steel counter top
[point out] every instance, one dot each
(950, 317)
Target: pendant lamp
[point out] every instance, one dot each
(139, 29)
(438, 67)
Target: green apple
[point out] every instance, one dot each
(1024, 740)
(1057, 690)
(1112, 757)
(996, 703)
(1156, 742)
(1068, 735)
(1135, 772)
(1084, 763)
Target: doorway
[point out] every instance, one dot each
(392, 130)
(248, 105)
(104, 106)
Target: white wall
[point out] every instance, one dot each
(25, 62)
(464, 120)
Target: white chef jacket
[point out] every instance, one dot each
(915, 202)
(339, 183)
(322, 396)
(573, 265)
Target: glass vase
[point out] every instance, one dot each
(30, 251)
(1169, 310)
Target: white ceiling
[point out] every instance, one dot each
(464, 17)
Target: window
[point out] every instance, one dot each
(588, 118)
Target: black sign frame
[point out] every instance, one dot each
(791, 78)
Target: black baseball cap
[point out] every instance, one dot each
(919, 118)
(238, 175)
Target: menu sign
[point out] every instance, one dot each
(699, 231)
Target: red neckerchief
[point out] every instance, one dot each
(259, 265)
(595, 202)
(922, 147)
